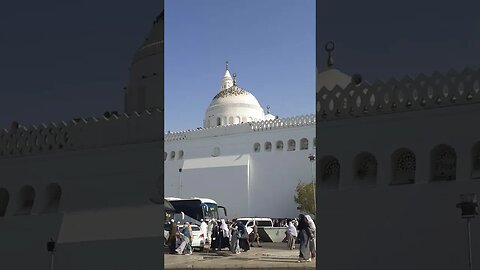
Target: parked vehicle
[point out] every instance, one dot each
(197, 208)
(260, 221)
(198, 239)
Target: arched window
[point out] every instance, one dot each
(304, 144)
(256, 147)
(25, 200)
(329, 173)
(268, 146)
(476, 161)
(219, 121)
(237, 120)
(279, 145)
(365, 165)
(230, 120)
(172, 155)
(180, 154)
(291, 145)
(53, 194)
(4, 198)
(443, 163)
(314, 142)
(404, 165)
(165, 156)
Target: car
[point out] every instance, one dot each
(198, 241)
(260, 221)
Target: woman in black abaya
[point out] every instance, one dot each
(304, 236)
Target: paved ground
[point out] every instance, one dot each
(269, 256)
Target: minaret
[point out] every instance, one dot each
(145, 86)
(227, 80)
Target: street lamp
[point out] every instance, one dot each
(51, 250)
(180, 184)
(469, 205)
(311, 157)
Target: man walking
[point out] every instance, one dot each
(256, 236)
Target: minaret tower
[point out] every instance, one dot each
(227, 80)
(145, 86)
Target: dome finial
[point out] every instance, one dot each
(226, 65)
(268, 109)
(234, 78)
(329, 47)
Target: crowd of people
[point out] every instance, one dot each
(231, 235)
(222, 234)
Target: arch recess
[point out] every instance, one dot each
(404, 165)
(443, 160)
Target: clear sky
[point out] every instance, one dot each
(270, 44)
(65, 59)
(381, 39)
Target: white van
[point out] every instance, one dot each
(261, 222)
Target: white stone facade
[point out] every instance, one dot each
(88, 182)
(393, 159)
(251, 168)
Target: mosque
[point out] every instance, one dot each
(393, 159)
(88, 183)
(262, 156)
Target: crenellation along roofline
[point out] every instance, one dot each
(399, 95)
(81, 133)
(265, 125)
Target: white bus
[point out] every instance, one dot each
(197, 208)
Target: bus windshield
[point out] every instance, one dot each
(211, 211)
(196, 209)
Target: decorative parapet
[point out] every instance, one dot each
(422, 92)
(297, 121)
(83, 133)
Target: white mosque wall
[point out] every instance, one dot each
(269, 177)
(107, 163)
(89, 167)
(382, 223)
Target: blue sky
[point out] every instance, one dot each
(270, 44)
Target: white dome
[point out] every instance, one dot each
(331, 78)
(232, 105)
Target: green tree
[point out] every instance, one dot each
(304, 197)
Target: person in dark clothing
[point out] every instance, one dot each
(243, 241)
(304, 235)
(215, 237)
(172, 238)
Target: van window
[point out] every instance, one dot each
(249, 224)
(264, 223)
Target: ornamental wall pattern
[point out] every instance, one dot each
(281, 123)
(408, 94)
(82, 133)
